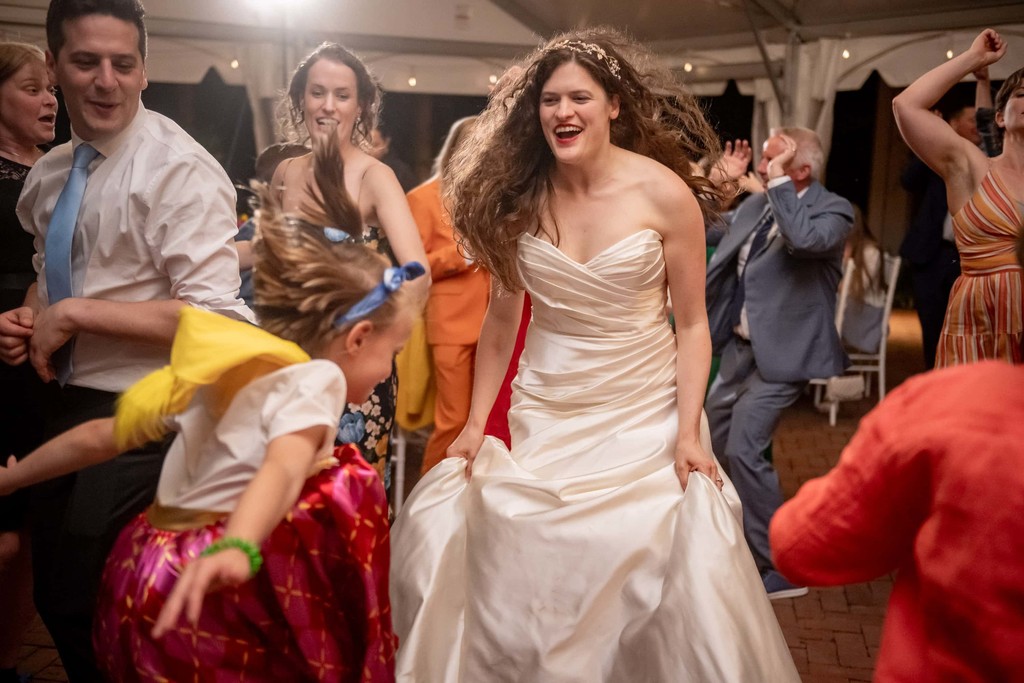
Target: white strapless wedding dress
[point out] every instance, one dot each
(577, 557)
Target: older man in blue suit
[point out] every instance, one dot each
(771, 292)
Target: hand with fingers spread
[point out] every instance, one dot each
(16, 328)
(205, 574)
(735, 159)
(690, 457)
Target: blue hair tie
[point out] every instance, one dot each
(391, 282)
(336, 234)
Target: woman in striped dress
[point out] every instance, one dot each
(985, 316)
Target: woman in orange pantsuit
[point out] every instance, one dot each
(455, 310)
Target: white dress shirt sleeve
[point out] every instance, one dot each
(190, 230)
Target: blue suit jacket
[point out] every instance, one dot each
(790, 285)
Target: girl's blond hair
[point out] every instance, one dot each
(302, 280)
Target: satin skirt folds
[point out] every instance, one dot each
(568, 583)
(317, 611)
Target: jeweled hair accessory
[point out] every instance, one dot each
(390, 283)
(592, 49)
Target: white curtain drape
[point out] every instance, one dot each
(263, 72)
(812, 99)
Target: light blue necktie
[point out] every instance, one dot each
(59, 237)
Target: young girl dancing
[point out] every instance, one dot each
(275, 549)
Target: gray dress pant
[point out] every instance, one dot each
(743, 410)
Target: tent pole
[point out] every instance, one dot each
(777, 87)
(790, 75)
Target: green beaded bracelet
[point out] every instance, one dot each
(250, 549)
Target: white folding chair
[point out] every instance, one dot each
(867, 363)
(856, 383)
(821, 385)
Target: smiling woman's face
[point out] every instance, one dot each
(331, 99)
(575, 113)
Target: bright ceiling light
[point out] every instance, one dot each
(687, 67)
(846, 54)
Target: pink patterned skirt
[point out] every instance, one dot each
(318, 610)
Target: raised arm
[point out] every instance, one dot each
(392, 210)
(958, 161)
(733, 163)
(985, 114)
(683, 242)
(818, 232)
(264, 503)
(982, 89)
(87, 444)
(493, 353)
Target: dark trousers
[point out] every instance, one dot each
(743, 410)
(75, 520)
(932, 283)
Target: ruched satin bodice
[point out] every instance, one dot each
(618, 293)
(599, 348)
(576, 557)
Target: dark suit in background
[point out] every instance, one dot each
(790, 286)
(934, 261)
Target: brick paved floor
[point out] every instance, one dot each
(833, 633)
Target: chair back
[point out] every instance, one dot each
(844, 293)
(892, 274)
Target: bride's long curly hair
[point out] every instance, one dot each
(498, 182)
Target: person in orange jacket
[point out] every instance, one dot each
(456, 307)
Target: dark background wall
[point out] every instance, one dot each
(866, 158)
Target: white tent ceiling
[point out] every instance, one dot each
(455, 46)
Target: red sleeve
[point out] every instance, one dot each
(859, 521)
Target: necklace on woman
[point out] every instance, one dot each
(25, 159)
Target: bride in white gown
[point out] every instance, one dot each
(605, 546)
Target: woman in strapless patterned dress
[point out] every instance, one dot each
(985, 315)
(332, 93)
(605, 544)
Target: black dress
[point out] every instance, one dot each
(368, 425)
(21, 390)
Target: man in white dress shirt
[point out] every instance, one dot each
(153, 234)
